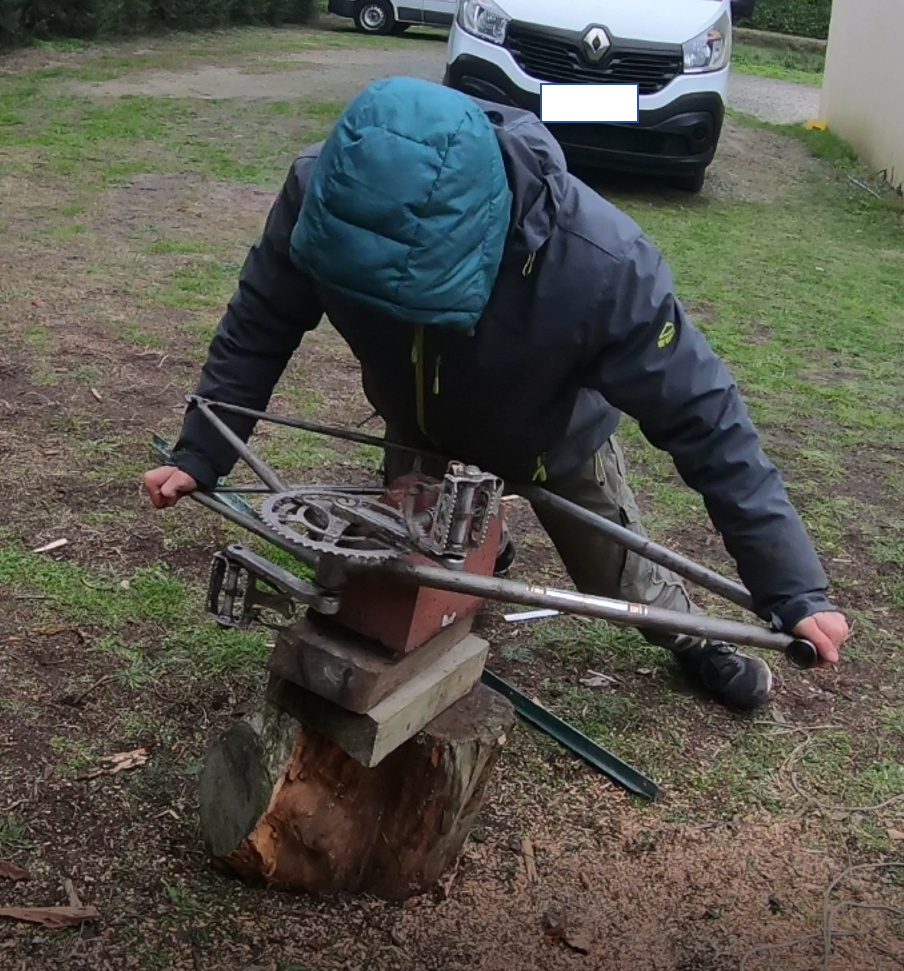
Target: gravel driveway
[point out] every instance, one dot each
(780, 102)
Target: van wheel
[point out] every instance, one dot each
(374, 17)
(690, 181)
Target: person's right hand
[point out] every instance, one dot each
(166, 485)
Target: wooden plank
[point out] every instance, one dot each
(369, 738)
(350, 669)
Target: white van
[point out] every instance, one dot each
(392, 17)
(677, 51)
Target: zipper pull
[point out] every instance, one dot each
(528, 267)
(436, 375)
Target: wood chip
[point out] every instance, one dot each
(96, 394)
(530, 860)
(585, 880)
(11, 871)
(895, 834)
(53, 918)
(558, 930)
(69, 889)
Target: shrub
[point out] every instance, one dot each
(803, 18)
(25, 20)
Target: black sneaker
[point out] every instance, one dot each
(736, 680)
(505, 557)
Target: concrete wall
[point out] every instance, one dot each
(863, 91)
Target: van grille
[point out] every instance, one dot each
(548, 57)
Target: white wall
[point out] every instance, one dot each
(863, 91)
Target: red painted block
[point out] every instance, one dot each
(400, 616)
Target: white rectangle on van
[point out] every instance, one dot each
(589, 102)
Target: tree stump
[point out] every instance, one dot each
(282, 805)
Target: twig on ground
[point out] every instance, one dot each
(76, 700)
(862, 185)
(763, 948)
(789, 767)
(530, 860)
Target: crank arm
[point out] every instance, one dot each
(236, 598)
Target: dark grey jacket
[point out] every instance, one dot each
(582, 324)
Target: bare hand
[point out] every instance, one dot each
(166, 485)
(826, 631)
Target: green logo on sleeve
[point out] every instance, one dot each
(666, 335)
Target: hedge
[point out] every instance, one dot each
(803, 18)
(24, 20)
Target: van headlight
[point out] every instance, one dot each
(711, 50)
(483, 19)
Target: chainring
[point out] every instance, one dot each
(331, 521)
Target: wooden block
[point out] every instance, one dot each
(369, 738)
(349, 669)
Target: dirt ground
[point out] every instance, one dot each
(93, 361)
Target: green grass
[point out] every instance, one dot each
(805, 67)
(153, 621)
(838, 252)
(735, 765)
(203, 284)
(13, 834)
(107, 143)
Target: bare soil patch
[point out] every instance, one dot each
(328, 75)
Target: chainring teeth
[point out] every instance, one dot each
(305, 508)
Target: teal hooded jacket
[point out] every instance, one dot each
(407, 209)
(502, 313)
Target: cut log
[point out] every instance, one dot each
(282, 805)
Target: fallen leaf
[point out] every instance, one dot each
(10, 871)
(53, 918)
(120, 762)
(554, 927)
(578, 941)
(596, 679)
(895, 834)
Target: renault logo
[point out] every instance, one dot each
(596, 43)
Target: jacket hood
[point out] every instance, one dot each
(537, 173)
(408, 206)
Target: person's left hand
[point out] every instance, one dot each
(826, 631)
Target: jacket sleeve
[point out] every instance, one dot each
(653, 364)
(273, 307)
